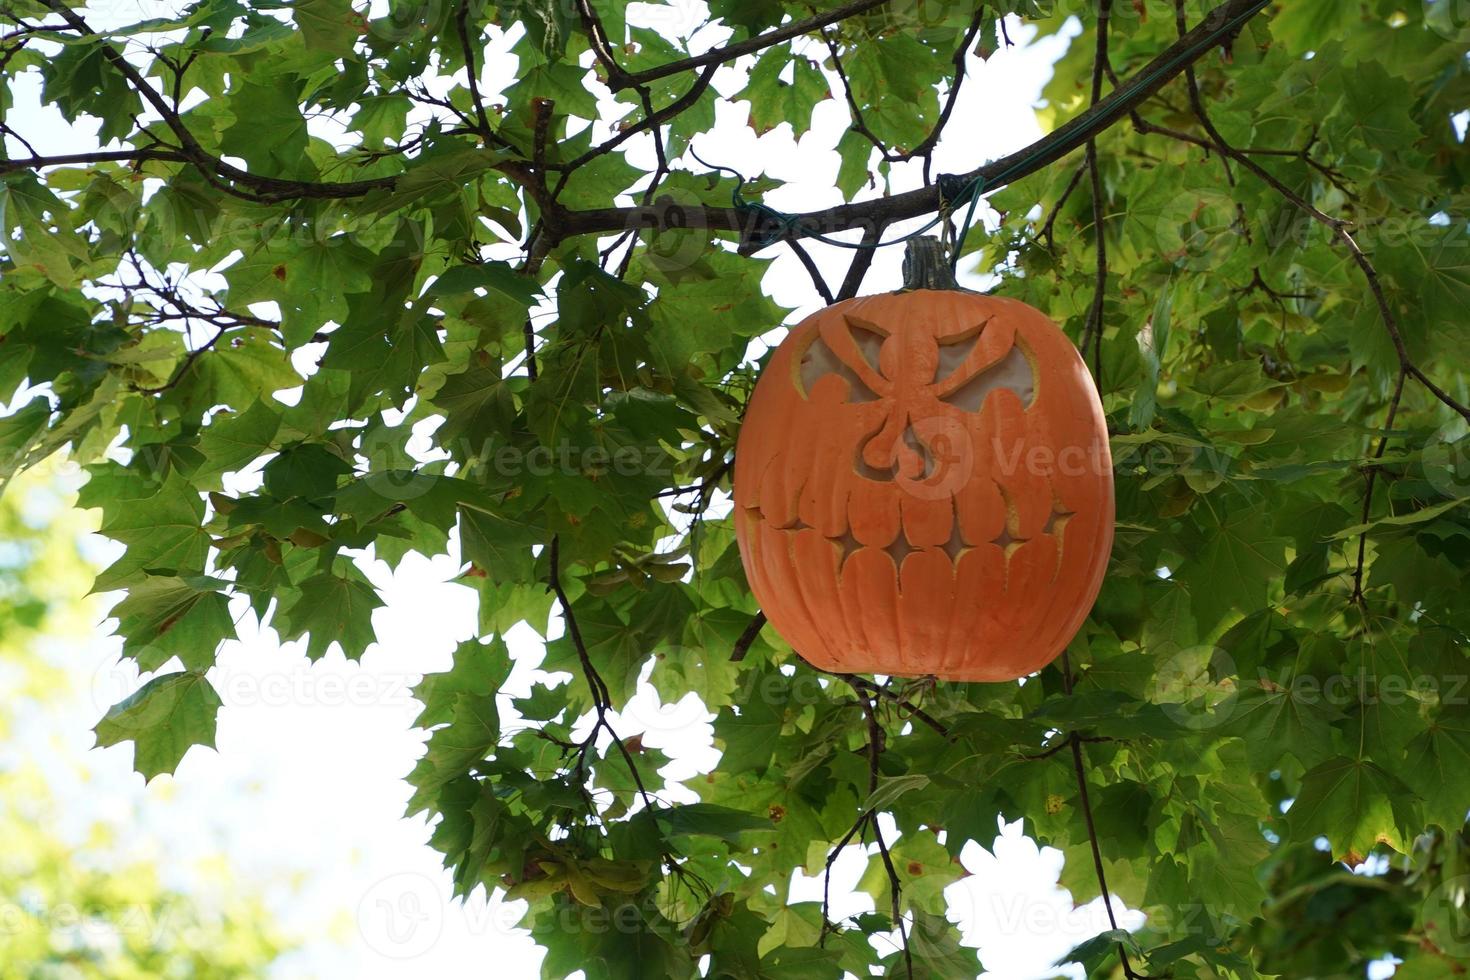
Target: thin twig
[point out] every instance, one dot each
(1092, 330)
(818, 282)
(649, 121)
(461, 23)
(861, 262)
(760, 42)
(1048, 228)
(601, 697)
(876, 744)
(1061, 746)
(859, 125)
(865, 688)
(747, 637)
(660, 172)
(1372, 481)
(832, 856)
(925, 148)
(1079, 767)
(188, 363)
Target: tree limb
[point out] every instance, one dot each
(105, 156)
(747, 637)
(861, 262)
(758, 230)
(1079, 768)
(263, 188)
(1092, 330)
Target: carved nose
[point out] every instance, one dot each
(914, 459)
(896, 451)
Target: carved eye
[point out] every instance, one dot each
(968, 392)
(858, 366)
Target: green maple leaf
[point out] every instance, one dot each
(498, 544)
(267, 100)
(328, 26)
(332, 609)
(774, 100)
(166, 616)
(478, 408)
(162, 532)
(752, 15)
(1231, 571)
(163, 719)
(1438, 768)
(1226, 865)
(1275, 723)
(471, 735)
(234, 440)
(250, 366)
(1355, 804)
(749, 737)
(479, 669)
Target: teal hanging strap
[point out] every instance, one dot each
(952, 191)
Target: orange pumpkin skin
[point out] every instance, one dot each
(923, 486)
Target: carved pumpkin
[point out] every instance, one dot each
(923, 484)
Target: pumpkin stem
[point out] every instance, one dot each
(926, 266)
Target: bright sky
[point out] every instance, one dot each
(308, 775)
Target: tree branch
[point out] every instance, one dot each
(760, 42)
(105, 156)
(758, 231)
(601, 46)
(1393, 411)
(263, 188)
(861, 262)
(1092, 330)
(747, 637)
(461, 24)
(818, 283)
(1079, 767)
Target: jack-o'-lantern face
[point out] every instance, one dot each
(923, 486)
